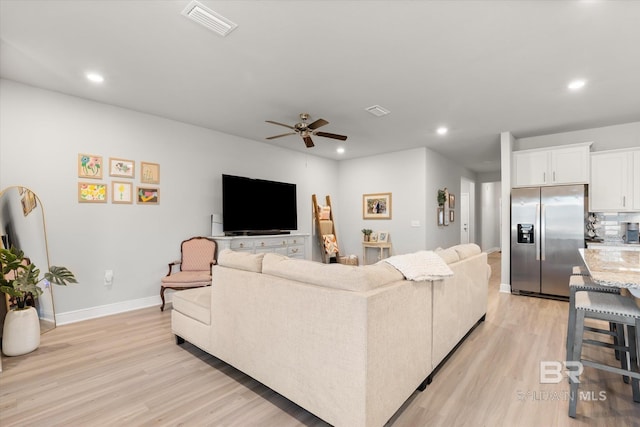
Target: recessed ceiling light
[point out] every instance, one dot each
(340, 150)
(442, 130)
(95, 77)
(577, 84)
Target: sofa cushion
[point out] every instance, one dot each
(467, 250)
(337, 276)
(194, 303)
(241, 260)
(449, 255)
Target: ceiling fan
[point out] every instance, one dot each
(307, 129)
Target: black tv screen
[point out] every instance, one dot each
(257, 206)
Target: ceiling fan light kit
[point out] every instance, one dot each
(305, 130)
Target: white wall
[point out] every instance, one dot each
(413, 177)
(490, 208)
(41, 135)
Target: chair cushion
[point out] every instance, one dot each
(600, 302)
(195, 303)
(241, 260)
(188, 278)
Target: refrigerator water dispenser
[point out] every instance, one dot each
(525, 233)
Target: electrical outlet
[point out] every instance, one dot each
(108, 277)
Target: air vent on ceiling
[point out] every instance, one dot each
(378, 111)
(204, 16)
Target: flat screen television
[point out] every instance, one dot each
(257, 206)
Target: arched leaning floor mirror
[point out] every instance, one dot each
(22, 225)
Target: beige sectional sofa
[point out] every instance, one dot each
(349, 344)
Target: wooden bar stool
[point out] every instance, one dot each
(610, 308)
(584, 283)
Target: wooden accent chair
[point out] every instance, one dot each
(197, 256)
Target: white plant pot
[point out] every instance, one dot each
(21, 332)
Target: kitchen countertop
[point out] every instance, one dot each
(620, 268)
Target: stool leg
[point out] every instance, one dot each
(571, 324)
(613, 327)
(576, 355)
(633, 358)
(619, 340)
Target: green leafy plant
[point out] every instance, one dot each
(367, 231)
(19, 279)
(442, 196)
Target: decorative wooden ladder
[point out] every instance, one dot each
(324, 226)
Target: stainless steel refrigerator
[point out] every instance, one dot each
(547, 229)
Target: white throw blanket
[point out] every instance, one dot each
(422, 265)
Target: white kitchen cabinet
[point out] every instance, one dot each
(611, 183)
(567, 164)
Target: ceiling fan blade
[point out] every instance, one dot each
(280, 124)
(331, 135)
(317, 124)
(307, 141)
(279, 136)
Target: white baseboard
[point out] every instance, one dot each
(505, 288)
(106, 310)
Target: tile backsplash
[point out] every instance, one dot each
(610, 226)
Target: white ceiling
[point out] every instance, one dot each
(478, 67)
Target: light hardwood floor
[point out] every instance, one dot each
(126, 370)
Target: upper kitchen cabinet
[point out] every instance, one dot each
(568, 164)
(615, 181)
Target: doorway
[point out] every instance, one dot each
(466, 214)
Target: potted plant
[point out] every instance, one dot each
(442, 196)
(19, 279)
(367, 233)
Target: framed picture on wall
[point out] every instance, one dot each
(89, 166)
(147, 196)
(92, 193)
(440, 215)
(452, 216)
(121, 192)
(122, 167)
(376, 206)
(452, 201)
(149, 173)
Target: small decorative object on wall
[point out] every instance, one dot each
(383, 237)
(441, 216)
(376, 206)
(147, 196)
(149, 173)
(452, 201)
(442, 196)
(122, 167)
(89, 166)
(28, 202)
(121, 192)
(92, 193)
(452, 216)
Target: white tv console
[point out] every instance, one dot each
(292, 245)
